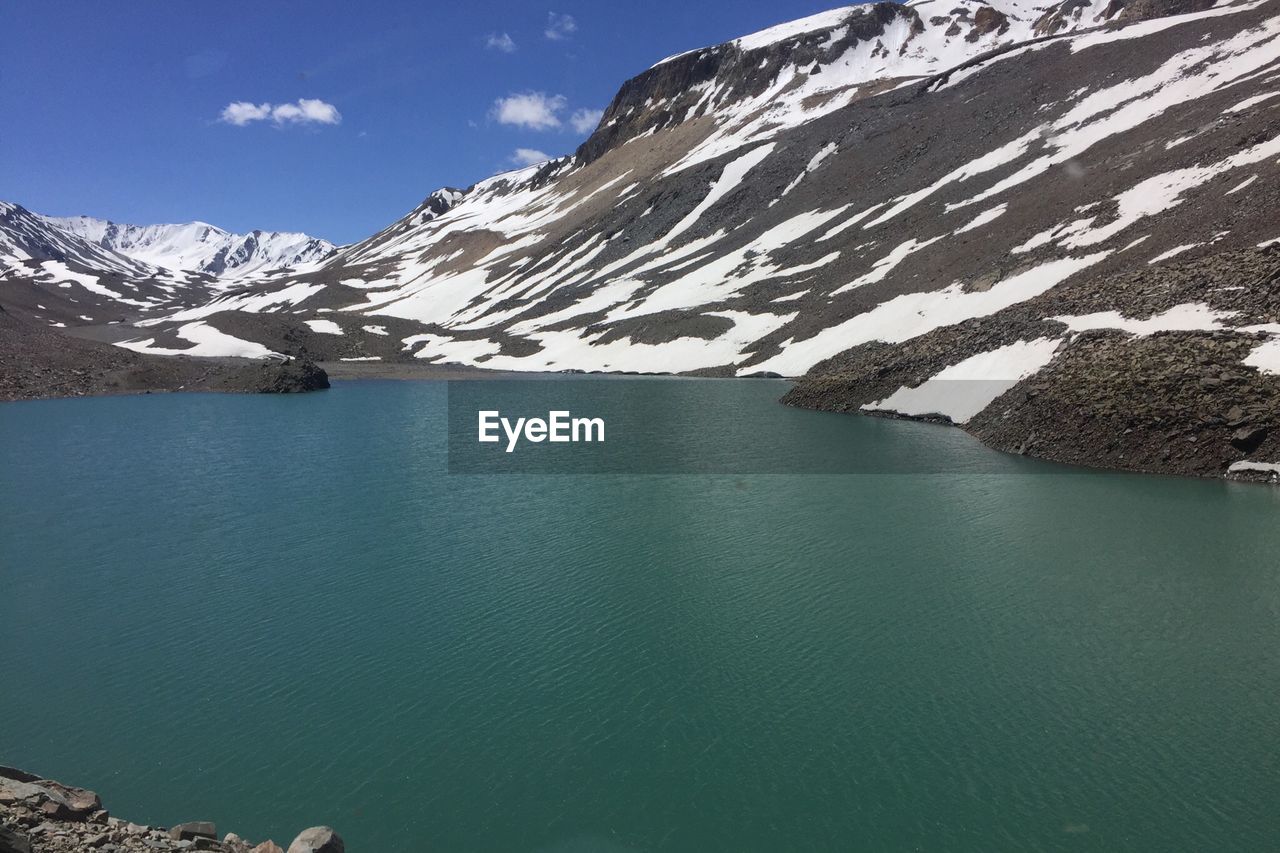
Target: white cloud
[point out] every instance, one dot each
(585, 120)
(529, 156)
(560, 27)
(241, 113)
(305, 111)
(500, 41)
(531, 110)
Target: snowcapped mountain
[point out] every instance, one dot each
(27, 236)
(200, 247)
(1050, 223)
(794, 73)
(78, 271)
(60, 279)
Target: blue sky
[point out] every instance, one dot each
(333, 118)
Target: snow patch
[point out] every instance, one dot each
(1247, 466)
(1265, 357)
(324, 327)
(1249, 102)
(209, 342)
(962, 390)
(913, 314)
(1176, 250)
(983, 218)
(1188, 317)
(1247, 181)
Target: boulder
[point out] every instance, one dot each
(267, 847)
(318, 839)
(234, 843)
(192, 830)
(82, 802)
(1248, 438)
(12, 791)
(12, 841)
(55, 810)
(59, 801)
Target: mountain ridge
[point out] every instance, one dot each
(198, 246)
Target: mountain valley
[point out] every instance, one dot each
(1052, 225)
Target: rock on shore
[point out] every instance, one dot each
(43, 816)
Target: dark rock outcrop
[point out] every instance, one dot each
(1142, 10)
(276, 377)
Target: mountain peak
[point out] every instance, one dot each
(199, 246)
(802, 70)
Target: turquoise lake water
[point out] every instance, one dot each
(273, 612)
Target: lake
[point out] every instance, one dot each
(273, 612)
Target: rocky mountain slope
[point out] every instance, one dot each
(1050, 223)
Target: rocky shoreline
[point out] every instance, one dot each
(1175, 403)
(43, 816)
(1200, 429)
(1152, 418)
(38, 363)
(1178, 402)
(1183, 401)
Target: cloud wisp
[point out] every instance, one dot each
(584, 120)
(529, 156)
(500, 42)
(529, 110)
(560, 27)
(305, 111)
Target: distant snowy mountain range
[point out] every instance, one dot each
(1068, 205)
(200, 247)
(91, 269)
